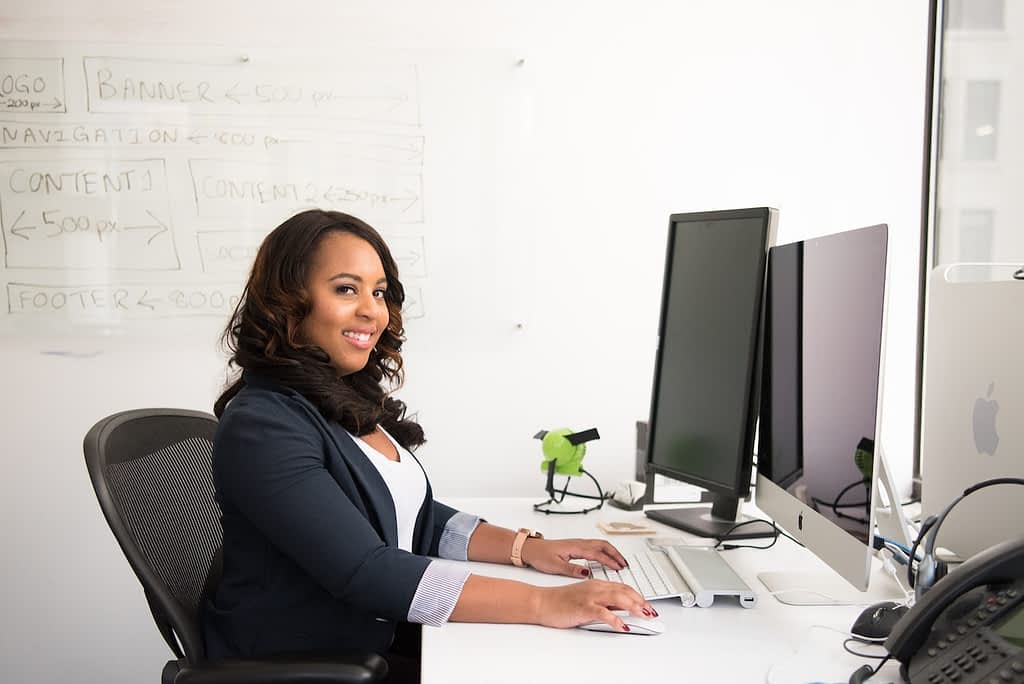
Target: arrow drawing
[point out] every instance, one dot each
(413, 199)
(148, 303)
(18, 231)
(160, 228)
(231, 93)
(410, 259)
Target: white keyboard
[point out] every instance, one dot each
(644, 573)
(696, 575)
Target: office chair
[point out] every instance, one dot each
(151, 472)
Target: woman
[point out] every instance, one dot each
(329, 521)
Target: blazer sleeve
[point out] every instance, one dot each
(269, 463)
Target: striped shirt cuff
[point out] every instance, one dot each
(454, 542)
(437, 593)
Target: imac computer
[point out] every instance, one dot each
(704, 400)
(817, 462)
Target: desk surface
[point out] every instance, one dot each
(771, 642)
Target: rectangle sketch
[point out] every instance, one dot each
(227, 251)
(361, 92)
(225, 189)
(33, 86)
(73, 213)
(233, 251)
(409, 253)
(413, 307)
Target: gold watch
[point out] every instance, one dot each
(517, 545)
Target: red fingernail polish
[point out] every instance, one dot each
(655, 612)
(625, 628)
(585, 572)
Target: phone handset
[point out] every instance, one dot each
(997, 565)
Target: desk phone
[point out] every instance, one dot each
(969, 627)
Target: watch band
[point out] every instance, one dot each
(517, 545)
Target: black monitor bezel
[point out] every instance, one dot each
(739, 485)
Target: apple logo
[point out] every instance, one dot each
(986, 439)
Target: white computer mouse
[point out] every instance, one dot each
(637, 625)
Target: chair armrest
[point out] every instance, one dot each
(347, 667)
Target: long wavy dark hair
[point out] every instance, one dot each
(263, 338)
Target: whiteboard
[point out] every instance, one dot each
(136, 184)
(556, 140)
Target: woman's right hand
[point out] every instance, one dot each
(590, 601)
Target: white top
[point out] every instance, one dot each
(405, 480)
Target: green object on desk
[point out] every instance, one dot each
(565, 448)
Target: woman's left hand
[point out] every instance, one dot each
(553, 555)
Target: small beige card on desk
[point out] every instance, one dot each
(613, 527)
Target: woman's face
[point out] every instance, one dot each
(346, 286)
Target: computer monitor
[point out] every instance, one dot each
(817, 462)
(704, 399)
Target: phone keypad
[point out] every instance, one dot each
(967, 650)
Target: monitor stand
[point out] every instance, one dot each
(889, 519)
(828, 588)
(717, 521)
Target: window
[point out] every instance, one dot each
(981, 118)
(978, 154)
(976, 235)
(975, 15)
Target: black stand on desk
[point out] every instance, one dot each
(556, 497)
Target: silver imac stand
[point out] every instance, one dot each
(827, 588)
(889, 519)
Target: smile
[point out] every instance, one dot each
(357, 336)
(359, 340)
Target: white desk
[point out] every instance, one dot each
(771, 642)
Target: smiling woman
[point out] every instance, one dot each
(346, 289)
(331, 530)
(306, 280)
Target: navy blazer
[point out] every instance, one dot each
(311, 557)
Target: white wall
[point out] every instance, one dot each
(620, 115)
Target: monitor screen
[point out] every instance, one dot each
(703, 405)
(823, 333)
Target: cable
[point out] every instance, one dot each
(898, 554)
(892, 542)
(725, 535)
(834, 505)
(866, 671)
(803, 640)
(846, 647)
(775, 529)
(730, 547)
(889, 565)
(791, 538)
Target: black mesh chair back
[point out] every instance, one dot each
(151, 469)
(151, 472)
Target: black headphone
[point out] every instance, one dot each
(930, 569)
